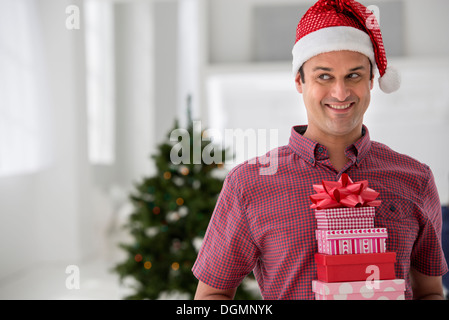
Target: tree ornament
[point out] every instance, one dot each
(167, 175)
(184, 170)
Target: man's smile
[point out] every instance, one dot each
(340, 107)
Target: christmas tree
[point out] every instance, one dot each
(171, 213)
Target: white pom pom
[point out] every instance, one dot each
(391, 80)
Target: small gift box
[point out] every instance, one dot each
(345, 223)
(345, 218)
(342, 213)
(352, 241)
(355, 267)
(360, 290)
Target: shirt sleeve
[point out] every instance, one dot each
(427, 255)
(227, 253)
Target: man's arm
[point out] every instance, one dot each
(206, 292)
(426, 287)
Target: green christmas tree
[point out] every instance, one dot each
(171, 213)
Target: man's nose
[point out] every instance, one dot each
(340, 90)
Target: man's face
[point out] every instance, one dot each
(336, 92)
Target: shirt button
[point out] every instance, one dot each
(320, 149)
(392, 208)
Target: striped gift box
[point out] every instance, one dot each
(353, 241)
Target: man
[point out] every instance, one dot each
(264, 222)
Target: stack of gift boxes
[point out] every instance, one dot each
(352, 262)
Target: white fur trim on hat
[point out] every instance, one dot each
(331, 39)
(390, 81)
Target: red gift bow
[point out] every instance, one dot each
(343, 193)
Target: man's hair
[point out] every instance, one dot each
(301, 74)
(303, 79)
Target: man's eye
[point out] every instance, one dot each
(353, 75)
(324, 77)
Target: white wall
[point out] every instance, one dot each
(45, 211)
(426, 26)
(62, 214)
(135, 90)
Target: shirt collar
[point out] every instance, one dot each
(311, 151)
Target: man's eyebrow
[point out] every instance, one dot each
(318, 68)
(322, 69)
(357, 68)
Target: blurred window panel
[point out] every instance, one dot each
(24, 113)
(99, 33)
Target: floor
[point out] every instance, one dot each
(51, 282)
(91, 279)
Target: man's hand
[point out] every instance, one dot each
(206, 292)
(426, 287)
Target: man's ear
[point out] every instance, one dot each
(298, 82)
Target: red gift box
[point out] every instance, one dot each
(355, 267)
(352, 241)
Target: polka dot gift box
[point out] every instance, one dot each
(352, 262)
(360, 290)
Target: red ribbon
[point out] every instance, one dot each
(343, 193)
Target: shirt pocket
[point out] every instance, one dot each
(397, 215)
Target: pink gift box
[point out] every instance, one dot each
(360, 290)
(345, 218)
(352, 241)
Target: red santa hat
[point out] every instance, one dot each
(334, 25)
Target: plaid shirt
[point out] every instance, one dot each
(263, 223)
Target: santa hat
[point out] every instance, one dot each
(334, 25)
